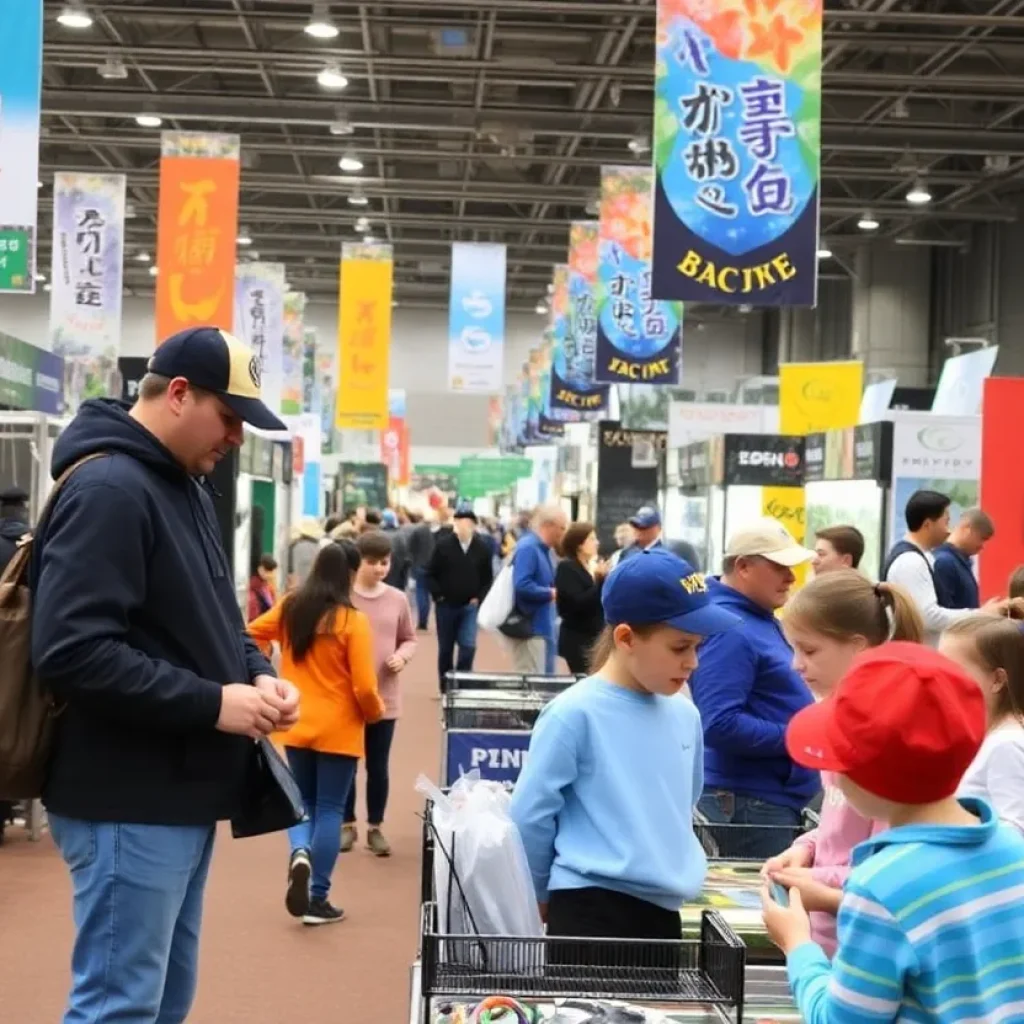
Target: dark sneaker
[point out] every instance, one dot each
(349, 835)
(321, 912)
(378, 845)
(299, 871)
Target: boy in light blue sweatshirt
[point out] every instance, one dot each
(931, 927)
(615, 767)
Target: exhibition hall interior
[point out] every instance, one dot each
(532, 483)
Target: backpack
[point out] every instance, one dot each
(27, 711)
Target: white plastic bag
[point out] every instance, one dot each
(482, 881)
(500, 601)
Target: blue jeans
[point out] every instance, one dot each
(325, 781)
(455, 625)
(753, 829)
(422, 598)
(378, 752)
(138, 905)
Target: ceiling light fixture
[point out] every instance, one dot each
(868, 222)
(358, 199)
(368, 239)
(113, 69)
(244, 238)
(541, 308)
(639, 145)
(919, 194)
(143, 257)
(74, 15)
(363, 224)
(350, 163)
(149, 120)
(824, 252)
(40, 278)
(39, 184)
(47, 287)
(153, 271)
(332, 78)
(341, 125)
(320, 25)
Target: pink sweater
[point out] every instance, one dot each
(832, 843)
(388, 612)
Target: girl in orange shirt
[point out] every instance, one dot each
(327, 652)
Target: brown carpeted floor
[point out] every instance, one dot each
(257, 964)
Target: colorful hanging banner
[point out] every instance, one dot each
(394, 441)
(259, 321)
(364, 337)
(197, 225)
(737, 125)
(293, 353)
(21, 22)
(476, 318)
(310, 385)
(88, 264)
(819, 396)
(327, 375)
(639, 338)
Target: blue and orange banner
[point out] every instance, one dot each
(197, 226)
(639, 337)
(364, 337)
(737, 152)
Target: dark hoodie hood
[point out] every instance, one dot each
(103, 425)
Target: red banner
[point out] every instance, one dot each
(394, 451)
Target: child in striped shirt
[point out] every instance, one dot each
(931, 926)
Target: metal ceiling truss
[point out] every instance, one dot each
(489, 120)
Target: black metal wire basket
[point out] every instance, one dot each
(705, 970)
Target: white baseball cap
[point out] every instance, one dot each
(767, 538)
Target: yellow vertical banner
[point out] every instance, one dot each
(814, 397)
(787, 505)
(364, 337)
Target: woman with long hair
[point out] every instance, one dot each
(327, 652)
(578, 582)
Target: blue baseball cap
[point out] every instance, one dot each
(645, 518)
(657, 587)
(218, 362)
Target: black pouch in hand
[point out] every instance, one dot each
(517, 626)
(271, 801)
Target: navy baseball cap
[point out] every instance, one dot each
(645, 518)
(218, 362)
(658, 588)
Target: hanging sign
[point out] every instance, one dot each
(259, 322)
(476, 318)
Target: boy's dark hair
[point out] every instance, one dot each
(373, 517)
(847, 540)
(374, 546)
(925, 506)
(332, 522)
(1016, 587)
(268, 562)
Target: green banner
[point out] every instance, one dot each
(480, 477)
(428, 475)
(14, 248)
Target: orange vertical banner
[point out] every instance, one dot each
(197, 228)
(394, 451)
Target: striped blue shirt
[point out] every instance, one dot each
(931, 929)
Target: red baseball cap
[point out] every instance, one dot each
(904, 723)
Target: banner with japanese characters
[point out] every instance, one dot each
(21, 69)
(197, 224)
(259, 321)
(87, 267)
(737, 125)
(311, 401)
(293, 353)
(364, 336)
(574, 323)
(639, 338)
(476, 318)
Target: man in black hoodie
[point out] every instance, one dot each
(137, 632)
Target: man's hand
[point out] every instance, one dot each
(797, 856)
(814, 895)
(554, 594)
(788, 927)
(282, 695)
(395, 663)
(246, 711)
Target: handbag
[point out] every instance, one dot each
(271, 801)
(517, 626)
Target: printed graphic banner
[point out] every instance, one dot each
(21, 22)
(327, 375)
(394, 441)
(574, 321)
(259, 321)
(293, 353)
(88, 263)
(819, 396)
(364, 337)
(737, 124)
(197, 224)
(310, 388)
(639, 338)
(476, 318)
(30, 378)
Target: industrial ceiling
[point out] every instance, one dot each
(489, 120)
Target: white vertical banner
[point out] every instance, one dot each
(88, 265)
(476, 318)
(259, 322)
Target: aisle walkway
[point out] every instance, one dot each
(258, 966)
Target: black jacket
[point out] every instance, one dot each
(398, 574)
(578, 599)
(136, 627)
(455, 576)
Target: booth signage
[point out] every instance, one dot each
(362, 484)
(764, 460)
(872, 452)
(814, 458)
(132, 369)
(498, 756)
(623, 486)
(30, 378)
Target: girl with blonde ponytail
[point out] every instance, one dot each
(828, 623)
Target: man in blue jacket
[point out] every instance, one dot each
(137, 632)
(955, 582)
(747, 691)
(533, 574)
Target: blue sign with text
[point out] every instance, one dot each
(498, 756)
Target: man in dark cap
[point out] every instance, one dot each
(13, 522)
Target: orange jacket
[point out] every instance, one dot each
(336, 681)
